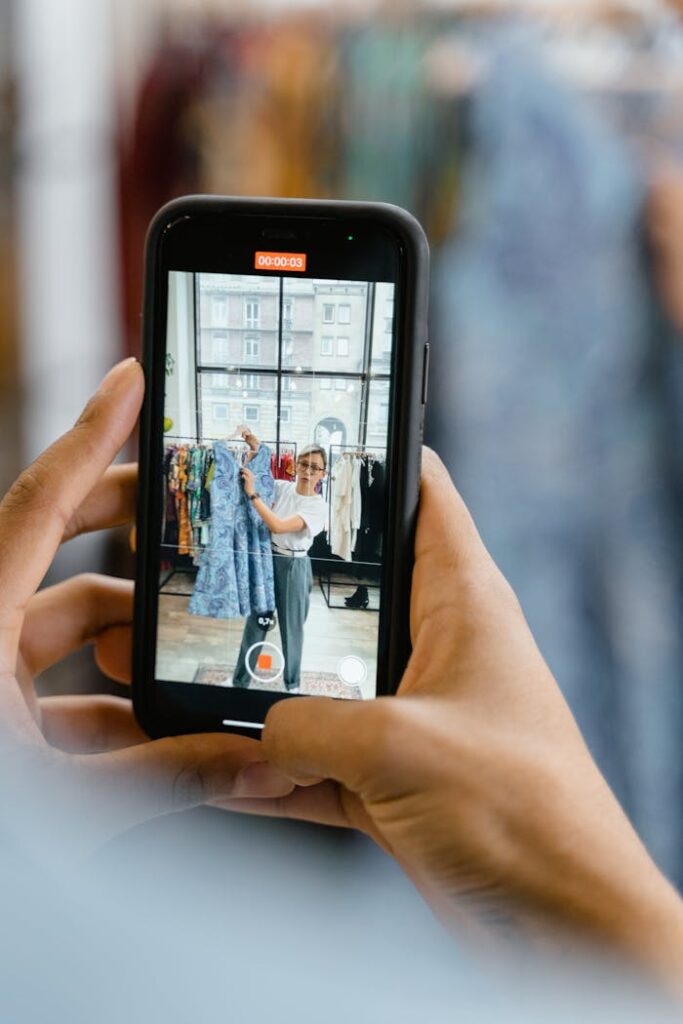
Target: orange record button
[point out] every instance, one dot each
(294, 262)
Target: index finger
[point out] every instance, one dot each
(38, 509)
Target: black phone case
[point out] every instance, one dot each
(412, 370)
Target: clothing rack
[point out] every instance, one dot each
(325, 581)
(169, 574)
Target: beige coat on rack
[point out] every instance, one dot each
(346, 505)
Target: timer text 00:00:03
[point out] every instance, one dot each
(280, 261)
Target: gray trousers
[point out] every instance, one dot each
(293, 578)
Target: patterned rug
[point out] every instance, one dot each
(314, 684)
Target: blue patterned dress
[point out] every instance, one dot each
(236, 572)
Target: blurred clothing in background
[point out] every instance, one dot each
(526, 146)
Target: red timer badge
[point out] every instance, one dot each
(294, 262)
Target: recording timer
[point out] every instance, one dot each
(295, 262)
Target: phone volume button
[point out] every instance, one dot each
(425, 373)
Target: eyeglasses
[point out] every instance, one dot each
(311, 466)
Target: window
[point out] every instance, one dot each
(328, 313)
(220, 412)
(219, 380)
(287, 349)
(253, 382)
(219, 309)
(252, 314)
(342, 346)
(251, 413)
(252, 349)
(326, 346)
(285, 414)
(219, 347)
(325, 383)
(288, 384)
(287, 313)
(389, 317)
(344, 313)
(340, 384)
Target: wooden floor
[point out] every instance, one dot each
(186, 641)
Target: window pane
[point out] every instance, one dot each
(345, 313)
(378, 414)
(251, 309)
(237, 393)
(321, 414)
(383, 328)
(314, 330)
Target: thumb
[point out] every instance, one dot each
(447, 537)
(177, 773)
(317, 738)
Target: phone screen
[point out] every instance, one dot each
(277, 384)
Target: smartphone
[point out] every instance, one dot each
(286, 362)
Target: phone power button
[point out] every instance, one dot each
(425, 374)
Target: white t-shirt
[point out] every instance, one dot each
(288, 502)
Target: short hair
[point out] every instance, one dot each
(314, 449)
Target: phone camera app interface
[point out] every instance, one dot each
(276, 421)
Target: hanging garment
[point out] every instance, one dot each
(184, 526)
(547, 403)
(373, 495)
(342, 504)
(236, 573)
(356, 508)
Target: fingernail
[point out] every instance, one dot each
(116, 374)
(261, 779)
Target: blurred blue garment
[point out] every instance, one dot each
(548, 404)
(235, 577)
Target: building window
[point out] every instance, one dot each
(251, 413)
(220, 412)
(286, 414)
(342, 346)
(328, 313)
(219, 347)
(288, 384)
(325, 383)
(252, 350)
(344, 313)
(389, 325)
(253, 382)
(340, 384)
(287, 349)
(219, 309)
(219, 380)
(252, 314)
(287, 314)
(326, 346)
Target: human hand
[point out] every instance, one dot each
(249, 481)
(87, 755)
(247, 435)
(475, 777)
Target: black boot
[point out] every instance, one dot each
(358, 600)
